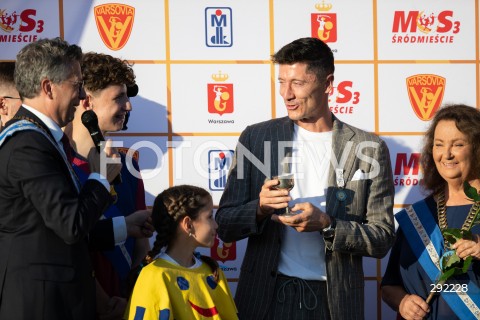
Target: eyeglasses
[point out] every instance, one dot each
(78, 84)
(8, 97)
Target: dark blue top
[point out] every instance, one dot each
(403, 269)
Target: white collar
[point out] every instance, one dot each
(56, 131)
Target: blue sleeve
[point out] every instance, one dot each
(392, 276)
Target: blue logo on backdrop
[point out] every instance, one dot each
(218, 27)
(219, 162)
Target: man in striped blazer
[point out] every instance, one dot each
(307, 265)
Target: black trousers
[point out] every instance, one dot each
(298, 299)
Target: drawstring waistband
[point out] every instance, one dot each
(301, 285)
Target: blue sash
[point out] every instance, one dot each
(121, 256)
(22, 125)
(426, 242)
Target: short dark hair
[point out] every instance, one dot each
(7, 69)
(467, 120)
(312, 51)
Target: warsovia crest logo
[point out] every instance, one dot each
(426, 94)
(114, 23)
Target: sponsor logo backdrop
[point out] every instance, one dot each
(204, 74)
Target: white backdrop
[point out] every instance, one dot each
(396, 63)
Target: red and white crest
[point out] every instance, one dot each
(114, 23)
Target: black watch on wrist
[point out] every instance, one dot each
(329, 232)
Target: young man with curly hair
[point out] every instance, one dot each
(120, 240)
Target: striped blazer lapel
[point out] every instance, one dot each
(343, 149)
(344, 154)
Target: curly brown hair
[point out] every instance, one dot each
(101, 70)
(467, 120)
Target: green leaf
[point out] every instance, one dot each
(471, 192)
(458, 271)
(467, 235)
(454, 232)
(447, 274)
(467, 262)
(451, 235)
(450, 261)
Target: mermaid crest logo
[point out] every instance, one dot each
(220, 94)
(324, 25)
(114, 24)
(223, 251)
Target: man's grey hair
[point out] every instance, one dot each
(51, 59)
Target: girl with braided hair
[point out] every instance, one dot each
(177, 284)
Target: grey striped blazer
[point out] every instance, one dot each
(365, 224)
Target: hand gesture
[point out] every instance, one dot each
(466, 248)
(413, 307)
(308, 219)
(139, 224)
(269, 199)
(110, 158)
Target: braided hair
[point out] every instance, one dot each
(169, 208)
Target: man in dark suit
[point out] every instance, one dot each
(307, 265)
(45, 215)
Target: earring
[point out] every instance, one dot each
(189, 234)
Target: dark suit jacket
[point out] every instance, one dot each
(365, 224)
(45, 269)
